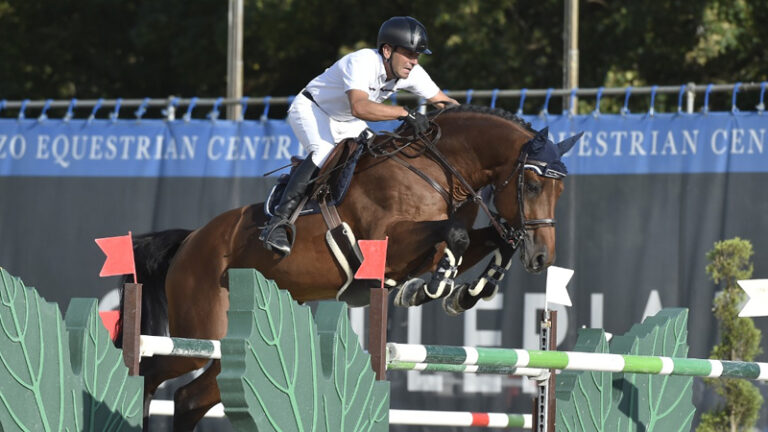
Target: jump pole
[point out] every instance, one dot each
(578, 361)
(399, 417)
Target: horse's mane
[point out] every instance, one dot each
(498, 112)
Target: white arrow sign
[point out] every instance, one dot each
(757, 304)
(557, 279)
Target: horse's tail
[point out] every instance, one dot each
(152, 253)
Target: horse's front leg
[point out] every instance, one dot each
(466, 296)
(416, 292)
(483, 241)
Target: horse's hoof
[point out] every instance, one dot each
(408, 294)
(451, 304)
(459, 300)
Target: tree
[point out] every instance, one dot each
(729, 262)
(108, 48)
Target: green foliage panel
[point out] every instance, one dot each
(112, 400)
(585, 399)
(284, 371)
(55, 377)
(603, 401)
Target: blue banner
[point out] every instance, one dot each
(612, 144)
(663, 143)
(146, 148)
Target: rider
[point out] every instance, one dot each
(336, 104)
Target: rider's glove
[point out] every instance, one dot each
(418, 121)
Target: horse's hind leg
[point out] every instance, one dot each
(156, 370)
(415, 292)
(151, 382)
(194, 399)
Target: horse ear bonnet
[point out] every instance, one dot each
(566, 144)
(539, 142)
(547, 154)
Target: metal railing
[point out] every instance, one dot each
(170, 106)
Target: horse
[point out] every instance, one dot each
(422, 193)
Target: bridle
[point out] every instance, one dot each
(516, 236)
(510, 235)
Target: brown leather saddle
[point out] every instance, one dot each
(327, 192)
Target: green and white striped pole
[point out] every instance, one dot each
(179, 347)
(569, 360)
(535, 373)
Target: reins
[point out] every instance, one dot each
(394, 145)
(513, 236)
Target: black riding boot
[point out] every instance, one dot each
(274, 235)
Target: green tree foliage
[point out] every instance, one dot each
(109, 48)
(730, 261)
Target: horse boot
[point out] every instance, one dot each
(274, 234)
(442, 278)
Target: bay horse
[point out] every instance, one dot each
(424, 194)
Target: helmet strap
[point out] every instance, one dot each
(388, 61)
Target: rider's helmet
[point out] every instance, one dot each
(406, 32)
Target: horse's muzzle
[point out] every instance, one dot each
(537, 263)
(536, 256)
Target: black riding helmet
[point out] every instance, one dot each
(406, 32)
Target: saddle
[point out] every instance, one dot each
(331, 183)
(326, 193)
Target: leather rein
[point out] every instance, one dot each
(513, 236)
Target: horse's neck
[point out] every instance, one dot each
(478, 153)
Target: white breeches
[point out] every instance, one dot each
(316, 131)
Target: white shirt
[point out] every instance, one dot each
(364, 70)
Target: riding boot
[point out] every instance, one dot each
(274, 234)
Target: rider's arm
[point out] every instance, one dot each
(366, 109)
(442, 100)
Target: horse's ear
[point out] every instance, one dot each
(566, 144)
(539, 140)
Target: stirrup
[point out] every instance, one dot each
(267, 230)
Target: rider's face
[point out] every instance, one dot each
(403, 61)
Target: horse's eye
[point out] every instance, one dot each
(533, 187)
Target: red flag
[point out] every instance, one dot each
(109, 318)
(119, 251)
(374, 259)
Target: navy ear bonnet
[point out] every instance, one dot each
(543, 155)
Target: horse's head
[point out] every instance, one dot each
(530, 207)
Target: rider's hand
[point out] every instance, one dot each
(418, 121)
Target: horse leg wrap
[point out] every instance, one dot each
(447, 269)
(492, 277)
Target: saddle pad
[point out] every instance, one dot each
(338, 188)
